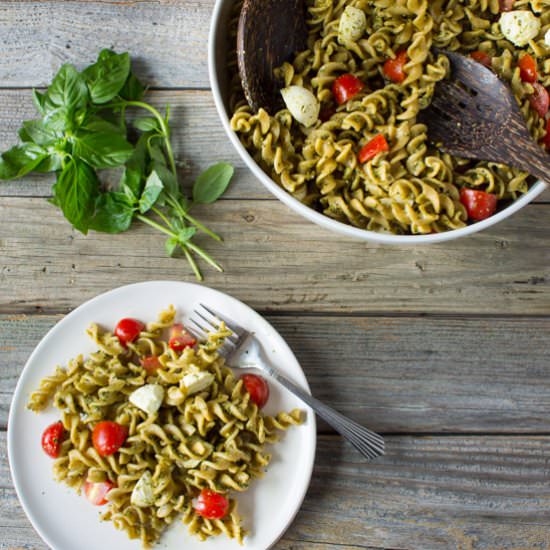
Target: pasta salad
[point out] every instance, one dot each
(154, 426)
(347, 141)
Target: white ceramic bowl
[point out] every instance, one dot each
(219, 81)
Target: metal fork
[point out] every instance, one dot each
(242, 344)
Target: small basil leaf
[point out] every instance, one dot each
(21, 160)
(138, 160)
(151, 192)
(212, 183)
(146, 124)
(59, 119)
(51, 163)
(156, 152)
(107, 76)
(38, 132)
(171, 245)
(103, 150)
(186, 234)
(113, 213)
(75, 191)
(168, 179)
(39, 99)
(133, 89)
(68, 89)
(130, 183)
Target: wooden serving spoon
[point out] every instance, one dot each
(270, 32)
(473, 114)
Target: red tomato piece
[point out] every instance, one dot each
(546, 138)
(150, 363)
(211, 505)
(394, 69)
(345, 87)
(376, 145)
(506, 5)
(180, 338)
(479, 204)
(52, 437)
(96, 492)
(540, 99)
(127, 330)
(482, 57)
(528, 68)
(257, 387)
(108, 437)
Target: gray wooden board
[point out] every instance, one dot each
(277, 261)
(426, 493)
(471, 375)
(198, 139)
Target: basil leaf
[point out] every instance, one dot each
(212, 183)
(168, 179)
(133, 89)
(37, 132)
(171, 245)
(75, 191)
(107, 76)
(113, 213)
(39, 99)
(151, 192)
(186, 234)
(146, 124)
(98, 124)
(130, 183)
(51, 163)
(103, 150)
(21, 160)
(68, 89)
(156, 152)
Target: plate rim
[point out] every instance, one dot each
(16, 397)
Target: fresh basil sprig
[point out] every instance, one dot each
(84, 128)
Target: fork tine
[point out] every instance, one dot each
(200, 327)
(231, 325)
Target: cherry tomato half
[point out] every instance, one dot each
(150, 363)
(128, 330)
(482, 57)
(394, 69)
(528, 68)
(211, 505)
(479, 204)
(540, 99)
(52, 439)
(108, 437)
(95, 492)
(506, 5)
(257, 387)
(180, 338)
(345, 87)
(376, 145)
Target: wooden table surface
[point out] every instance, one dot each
(442, 348)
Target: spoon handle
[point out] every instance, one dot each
(532, 158)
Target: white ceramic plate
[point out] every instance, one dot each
(67, 521)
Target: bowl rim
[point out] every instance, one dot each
(317, 217)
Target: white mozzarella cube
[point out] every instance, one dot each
(302, 104)
(148, 398)
(197, 381)
(143, 494)
(519, 26)
(353, 23)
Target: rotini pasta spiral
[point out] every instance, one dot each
(213, 437)
(412, 187)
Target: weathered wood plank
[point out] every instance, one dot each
(427, 492)
(198, 139)
(391, 374)
(168, 39)
(275, 266)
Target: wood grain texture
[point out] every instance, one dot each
(426, 493)
(470, 375)
(167, 38)
(276, 261)
(198, 138)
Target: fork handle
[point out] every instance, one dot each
(368, 443)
